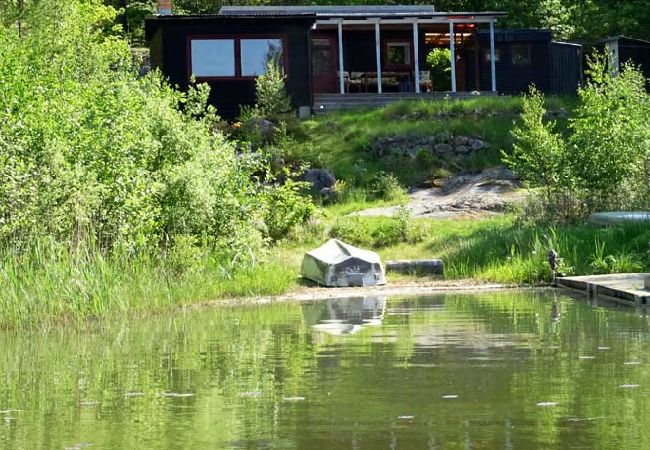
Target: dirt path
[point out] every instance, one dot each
(479, 195)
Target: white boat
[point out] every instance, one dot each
(337, 264)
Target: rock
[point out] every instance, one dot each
(462, 149)
(461, 140)
(443, 148)
(258, 125)
(320, 179)
(477, 144)
(499, 173)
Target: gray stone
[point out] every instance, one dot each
(319, 179)
(478, 144)
(304, 112)
(499, 173)
(443, 148)
(462, 149)
(461, 140)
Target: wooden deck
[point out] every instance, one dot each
(627, 288)
(324, 103)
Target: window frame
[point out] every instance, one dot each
(529, 50)
(236, 38)
(498, 55)
(409, 54)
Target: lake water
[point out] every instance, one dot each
(499, 370)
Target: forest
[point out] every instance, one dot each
(585, 21)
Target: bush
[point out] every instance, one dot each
(602, 162)
(89, 151)
(272, 101)
(386, 187)
(285, 208)
(439, 59)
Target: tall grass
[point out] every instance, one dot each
(50, 282)
(503, 251)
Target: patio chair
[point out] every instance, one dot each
(425, 81)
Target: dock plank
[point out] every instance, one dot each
(626, 287)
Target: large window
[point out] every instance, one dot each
(213, 57)
(257, 53)
(234, 57)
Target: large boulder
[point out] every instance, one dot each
(321, 180)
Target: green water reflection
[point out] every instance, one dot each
(501, 370)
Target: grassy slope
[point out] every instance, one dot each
(339, 141)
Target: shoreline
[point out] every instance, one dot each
(310, 294)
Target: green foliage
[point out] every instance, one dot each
(271, 97)
(385, 186)
(285, 207)
(601, 162)
(91, 152)
(400, 229)
(439, 59)
(538, 150)
(610, 136)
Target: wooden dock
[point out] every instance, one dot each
(627, 288)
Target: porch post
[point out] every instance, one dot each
(416, 54)
(341, 81)
(493, 71)
(452, 47)
(378, 55)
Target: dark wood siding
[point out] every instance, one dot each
(565, 68)
(512, 77)
(228, 95)
(635, 51)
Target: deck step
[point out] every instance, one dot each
(324, 103)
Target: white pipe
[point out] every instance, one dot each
(341, 81)
(452, 47)
(378, 55)
(416, 53)
(493, 71)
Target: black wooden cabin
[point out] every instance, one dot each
(529, 56)
(351, 51)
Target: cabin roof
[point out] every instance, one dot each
(329, 10)
(347, 11)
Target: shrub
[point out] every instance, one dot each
(386, 187)
(89, 151)
(602, 162)
(439, 59)
(286, 208)
(271, 97)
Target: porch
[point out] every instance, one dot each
(372, 61)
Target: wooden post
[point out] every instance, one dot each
(341, 81)
(493, 71)
(378, 55)
(452, 47)
(416, 54)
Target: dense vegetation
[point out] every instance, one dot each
(600, 161)
(586, 21)
(107, 178)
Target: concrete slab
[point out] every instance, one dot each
(622, 287)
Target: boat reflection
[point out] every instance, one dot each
(350, 315)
